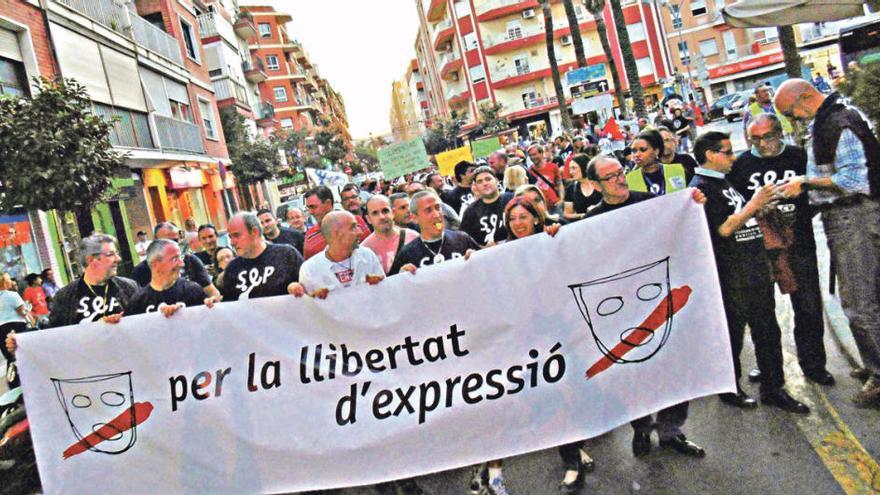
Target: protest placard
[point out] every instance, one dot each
(399, 159)
(273, 395)
(446, 161)
(485, 147)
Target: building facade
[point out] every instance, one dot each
(475, 52)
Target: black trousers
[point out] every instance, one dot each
(569, 453)
(668, 422)
(806, 301)
(754, 305)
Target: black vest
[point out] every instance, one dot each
(834, 115)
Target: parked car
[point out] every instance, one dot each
(737, 105)
(716, 110)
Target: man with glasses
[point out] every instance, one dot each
(771, 161)
(743, 274)
(352, 202)
(609, 178)
(193, 268)
(167, 292)
(319, 202)
(843, 180)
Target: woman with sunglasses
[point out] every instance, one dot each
(650, 175)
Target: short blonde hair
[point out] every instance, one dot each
(514, 177)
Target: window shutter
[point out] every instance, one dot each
(80, 58)
(122, 72)
(9, 45)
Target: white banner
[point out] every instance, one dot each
(525, 346)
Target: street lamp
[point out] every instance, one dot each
(668, 5)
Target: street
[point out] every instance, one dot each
(735, 129)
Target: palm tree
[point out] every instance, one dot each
(554, 66)
(789, 51)
(629, 61)
(596, 7)
(575, 34)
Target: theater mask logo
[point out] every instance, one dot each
(629, 314)
(102, 413)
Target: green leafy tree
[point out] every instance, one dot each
(234, 129)
(54, 152)
(366, 157)
(331, 143)
(443, 136)
(491, 121)
(861, 87)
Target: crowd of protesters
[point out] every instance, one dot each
(759, 218)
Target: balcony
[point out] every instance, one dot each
(436, 10)
(244, 26)
(265, 113)
(227, 88)
(153, 38)
(207, 25)
(449, 63)
(179, 136)
(129, 129)
(114, 15)
(539, 102)
(254, 72)
(495, 9)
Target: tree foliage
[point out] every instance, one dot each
(860, 86)
(54, 152)
(443, 135)
(366, 157)
(253, 160)
(491, 121)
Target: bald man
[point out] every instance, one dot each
(843, 182)
(342, 263)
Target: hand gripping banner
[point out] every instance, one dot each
(527, 345)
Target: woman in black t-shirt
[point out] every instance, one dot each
(580, 193)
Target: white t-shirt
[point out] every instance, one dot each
(319, 272)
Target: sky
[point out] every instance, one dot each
(359, 46)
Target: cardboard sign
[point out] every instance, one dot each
(485, 147)
(403, 158)
(446, 161)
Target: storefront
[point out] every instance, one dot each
(18, 252)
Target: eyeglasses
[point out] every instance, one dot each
(614, 176)
(770, 136)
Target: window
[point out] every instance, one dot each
(514, 30)
(684, 52)
(645, 66)
(729, 44)
(530, 97)
(265, 30)
(180, 111)
(462, 9)
(280, 93)
(272, 62)
(709, 47)
(208, 119)
(286, 123)
(522, 65)
(189, 40)
(470, 41)
(765, 35)
(636, 32)
(12, 78)
(579, 12)
(698, 7)
(477, 73)
(675, 11)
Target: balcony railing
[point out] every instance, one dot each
(207, 24)
(444, 24)
(130, 129)
(114, 15)
(265, 110)
(110, 13)
(512, 35)
(176, 135)
(153, 38)
(496, 4)
(228, 88)
(539, 102)
(447, 58)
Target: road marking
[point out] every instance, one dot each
(851, 465)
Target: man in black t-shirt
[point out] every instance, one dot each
(276, 234)
(483, 219)
(167, 292)
(435, 244)
(193, 269)
(743, 272)
(461, 195)
(261, 269)
(771, 161)
(609, 178)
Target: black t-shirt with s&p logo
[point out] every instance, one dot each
(149, 300)
(452, 245)
(267, 275)
(485, 222)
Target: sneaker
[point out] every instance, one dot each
(479, 480)
(496, 487)
(870, 393)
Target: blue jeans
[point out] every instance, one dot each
(853, 233)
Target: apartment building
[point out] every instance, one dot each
(408, 105)
(487, 51)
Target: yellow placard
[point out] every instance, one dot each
(447, 160)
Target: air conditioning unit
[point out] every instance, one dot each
(454, 76)
(565, 40)
(528, 13)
